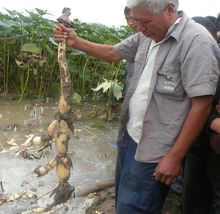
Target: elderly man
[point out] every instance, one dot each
(167, 100)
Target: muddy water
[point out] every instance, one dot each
(91, 150)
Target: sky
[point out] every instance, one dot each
(107, 12)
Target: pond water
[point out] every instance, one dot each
(91, 150)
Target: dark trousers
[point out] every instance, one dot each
(196, 192)
(137, 192)
(213, 174)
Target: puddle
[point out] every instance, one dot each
(92, 152)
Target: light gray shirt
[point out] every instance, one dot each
(187, 65)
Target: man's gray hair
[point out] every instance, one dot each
(156, 6)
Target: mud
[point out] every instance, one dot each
(92, 152)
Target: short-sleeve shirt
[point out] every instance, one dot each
(187, 65)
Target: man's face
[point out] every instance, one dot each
(151, 25)
(130, 21)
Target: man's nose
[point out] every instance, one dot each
(141, 28)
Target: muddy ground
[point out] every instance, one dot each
(91, 148)
(104, 203)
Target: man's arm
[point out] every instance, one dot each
(169, 167)
(100, 51)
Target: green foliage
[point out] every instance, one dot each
(100, 33)
(114, 86)
(28, 58)
(77, 98)
(31, 47)
(26, 54)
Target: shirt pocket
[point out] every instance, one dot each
(169, 83)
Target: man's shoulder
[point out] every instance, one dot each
(195, 30)
(136, 39)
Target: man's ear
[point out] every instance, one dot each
(170, 8)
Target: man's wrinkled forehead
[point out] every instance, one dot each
(141, 12)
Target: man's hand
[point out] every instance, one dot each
(99, 51)
(168, 169)
(62, 33)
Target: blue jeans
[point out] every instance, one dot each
(137, 192)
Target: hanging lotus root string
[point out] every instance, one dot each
(60, 129)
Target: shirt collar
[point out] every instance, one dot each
(176, 29)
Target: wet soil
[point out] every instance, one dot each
(92, 149)
(104, 203)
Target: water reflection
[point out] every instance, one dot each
(36, 114)
(12, 112)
